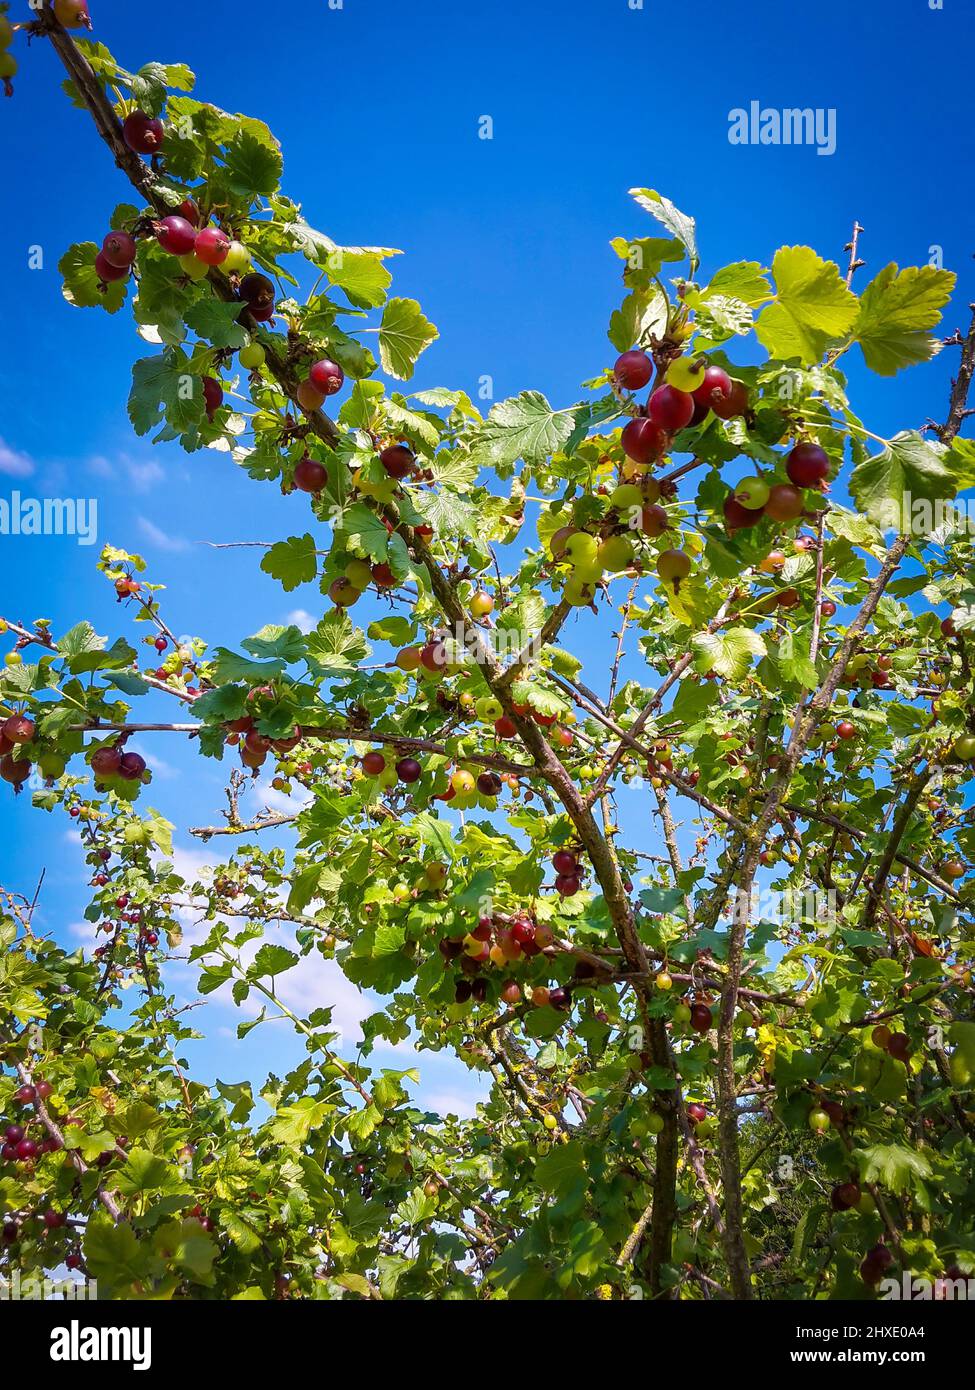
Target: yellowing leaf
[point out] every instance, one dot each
(812, 307)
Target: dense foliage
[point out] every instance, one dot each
(694, 1093)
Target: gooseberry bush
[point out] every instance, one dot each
(687, 1094)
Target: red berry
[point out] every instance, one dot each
(142, 133)
(176, 235)
(383, 576)
(845, 729)
(72, 14)
(716, 379)
(373, 763)
(326, 377)
(310, 475)
(15, 772)
(633, 369)
(643, 440)
(567, 885)
(105, 762)
(785, 503)
(26, 1149)
(132, 766)
(564, 862)
(523, 931)
(119, 249)
(54, 1219)
(25, 1095)
(505, 727)
(14, 1133)
(18, 729)
(190, 211)
(107, 272)
(700, 1018)
(737, 517)
(807, 465)
(211, 245)
(735, 402)
(408, 770)
(160, 644)
(212, 395)
(257, 291)
(434, 656)
(397, 461)
(670, 409)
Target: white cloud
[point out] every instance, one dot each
(280, 802)
(156, 765)
(302, 620)
(15, 464)
(157, 537)
(449, 1103)
(141, 474)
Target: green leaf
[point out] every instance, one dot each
(645, 257)
(906, 470)
(145, 1172)
(150, 84)
(292, 1124)
(893, 1166)
(286, 643)
(404, 333)
(896, 310)
(228, 666)
(81, 284)
(562, 1168)
(246, 1237)
(676, 222)
(164, 390)
(336, 644)
(292, 562)
(364, 278)
(521, 427)
(743, 280)
(113, 1254)
(365, 532)
(80, 639)
(793, 657)
(253, 166)
(642, 314)
(188, 1247)
(272, 960)
(216, 322)
(812, 307)
(729, 653)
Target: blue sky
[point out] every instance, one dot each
(377, 106)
